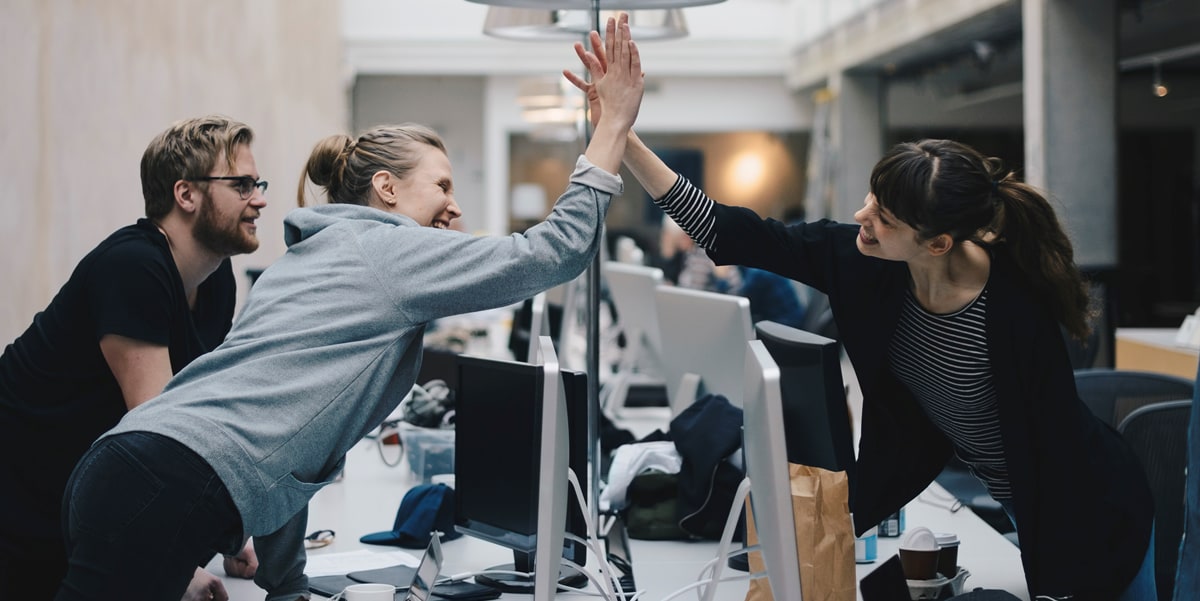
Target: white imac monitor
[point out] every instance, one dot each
(765, 448)
(552, 484)
(539, 325)
(632, 288)
(703, 336)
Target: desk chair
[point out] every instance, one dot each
(1112, 394)
(1158, 434)
(818, 316)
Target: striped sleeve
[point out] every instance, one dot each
(692, 209)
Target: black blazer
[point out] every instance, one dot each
(1082, 504)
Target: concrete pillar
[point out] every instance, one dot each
(856, 133)
(1070, 62)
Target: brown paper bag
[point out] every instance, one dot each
(824, 537)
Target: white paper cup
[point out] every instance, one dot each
(369, 592)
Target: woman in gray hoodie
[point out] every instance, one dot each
(328, 343)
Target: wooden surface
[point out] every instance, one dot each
(1154, 349)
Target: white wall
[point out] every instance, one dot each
(95, 81)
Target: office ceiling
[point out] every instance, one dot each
(991, 41)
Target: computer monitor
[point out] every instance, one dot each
(765, 448)
(438, 364)
(519, 427)
(815, 415)
(539, 324)
(703, 334)
(640, 368)
(632, 288)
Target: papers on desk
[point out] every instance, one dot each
(329, 564)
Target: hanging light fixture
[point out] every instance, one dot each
(526, 24)
(1158, 88)
(588, 4)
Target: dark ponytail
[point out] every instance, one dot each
(1037, 243)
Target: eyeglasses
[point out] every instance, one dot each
(244, 184)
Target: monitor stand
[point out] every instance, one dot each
(523, 562)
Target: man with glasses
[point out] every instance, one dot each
(148, 300)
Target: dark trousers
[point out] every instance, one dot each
(141, 512)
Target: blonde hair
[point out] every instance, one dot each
(344, 166)
(186, 150)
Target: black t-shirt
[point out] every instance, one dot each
(57, 394)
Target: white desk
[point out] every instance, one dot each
(367, 498)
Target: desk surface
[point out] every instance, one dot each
(1155, 349)
(366, 499)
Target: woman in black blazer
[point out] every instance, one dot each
(948, 296)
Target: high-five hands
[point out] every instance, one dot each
(616, 70)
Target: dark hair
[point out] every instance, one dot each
(188, 149)
(946, 187)
(344, 166)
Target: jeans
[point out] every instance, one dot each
(1144, 586)
(140, 514)
(1187, 578)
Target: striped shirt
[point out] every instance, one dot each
(943, 360)
(691, 208)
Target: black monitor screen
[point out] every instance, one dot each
(816, 419)
(496, 464)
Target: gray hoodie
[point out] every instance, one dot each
(330, 341)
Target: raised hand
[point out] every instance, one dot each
(616, 95)
(596, 62)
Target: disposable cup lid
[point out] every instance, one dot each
(946, 539)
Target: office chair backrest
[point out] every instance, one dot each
(1158, 435)
(1113, 393)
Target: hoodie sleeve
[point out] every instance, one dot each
(281, 560)
(433, 273)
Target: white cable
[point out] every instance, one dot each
(591, 577)
(596, 581)
(731, 522)
(700, 583)
(593, 543)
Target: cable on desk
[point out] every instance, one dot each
(948, 502)
(709, 581)
(593, 543)
(731, 523)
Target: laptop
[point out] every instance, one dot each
(427, 573)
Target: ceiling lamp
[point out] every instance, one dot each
(1157, 87)
(588, 4)
(526, 24)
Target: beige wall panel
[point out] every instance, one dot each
(93, 83)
